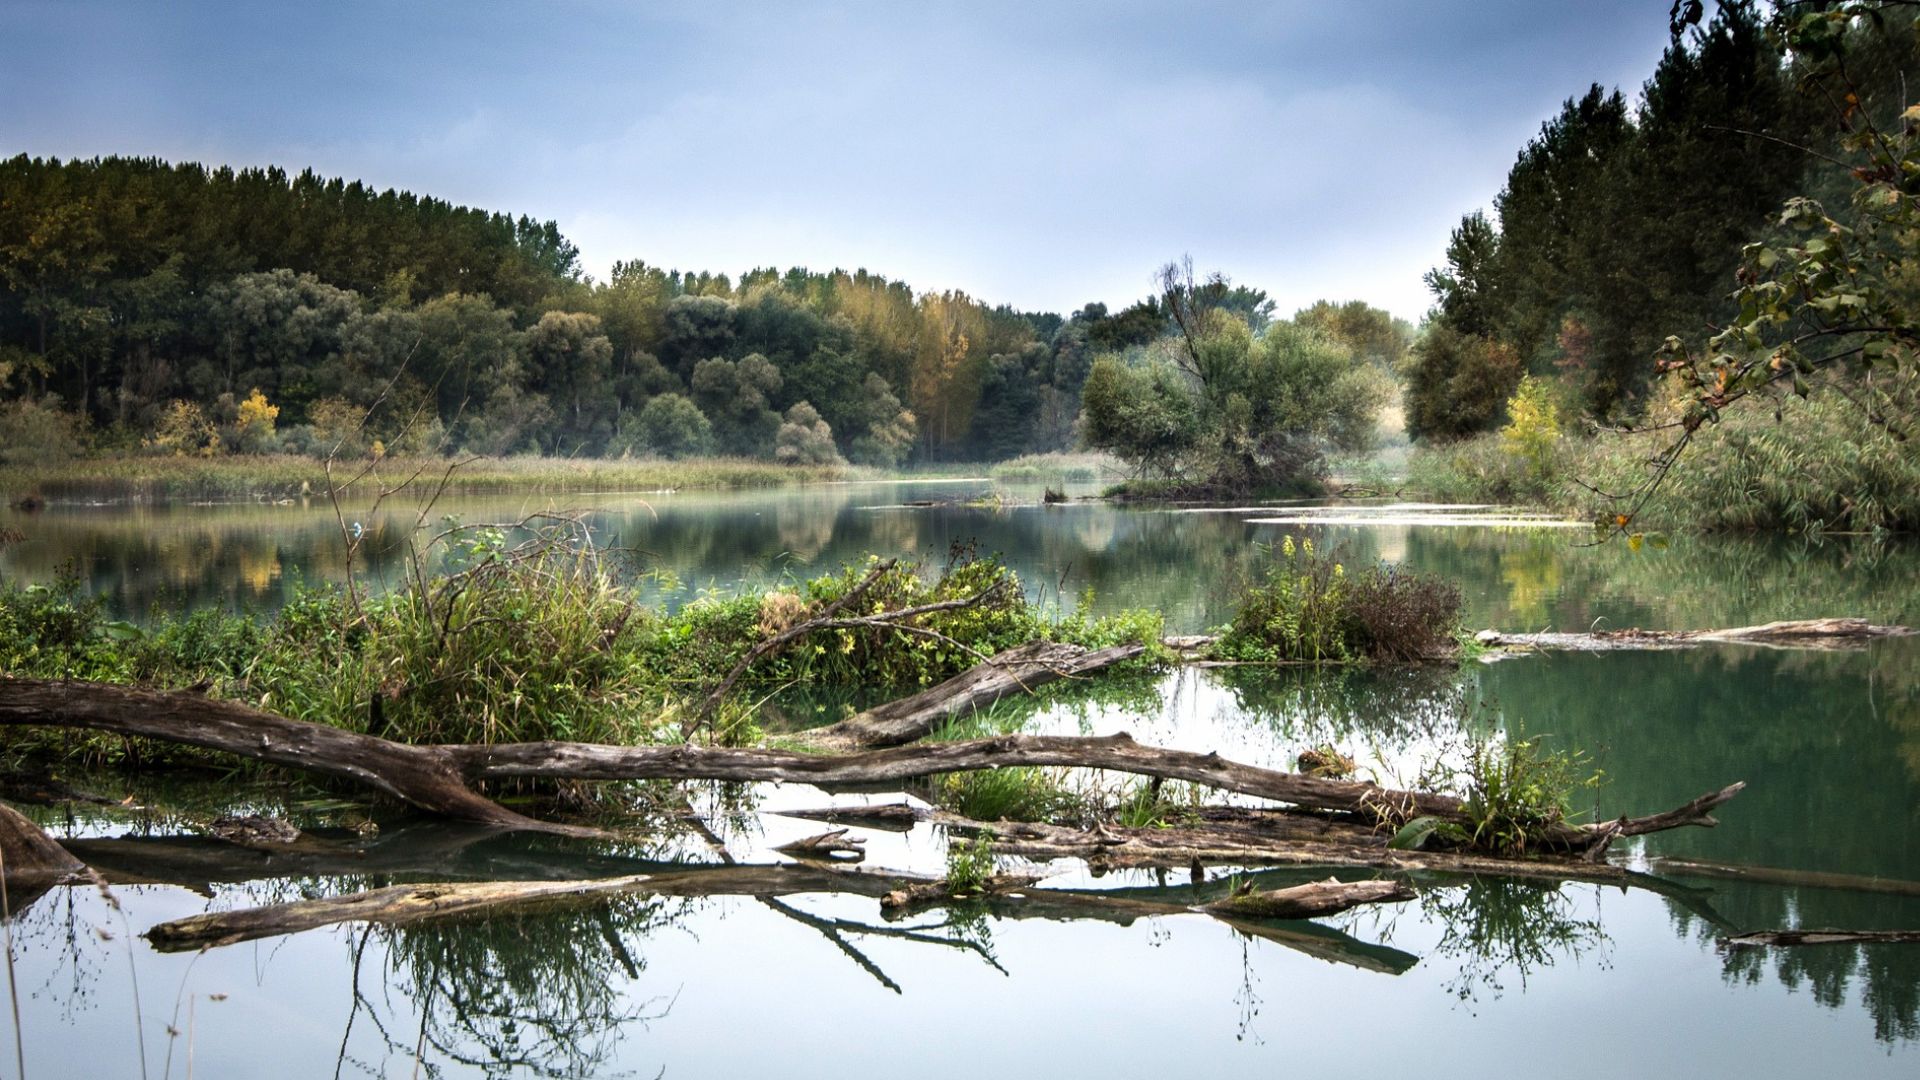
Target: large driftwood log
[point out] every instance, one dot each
(1822, 937)
(1842, 633)
(1016, 671)
(436, 778)
(397, 905)
(1309, 901)
(29, 858)
(422, 776)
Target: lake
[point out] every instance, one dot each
(1478, 975)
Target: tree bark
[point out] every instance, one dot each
(1015, 671)
(422, 776)
(398, 905)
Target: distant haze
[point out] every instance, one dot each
(1042, 155)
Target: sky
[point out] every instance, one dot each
(1038, 154)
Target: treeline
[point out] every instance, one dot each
(185, 309)
(1619, 225)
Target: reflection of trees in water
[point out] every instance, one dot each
(1819, 737)
(1888, 976)
(547, 994)
(1385, 707)
(1501, 929)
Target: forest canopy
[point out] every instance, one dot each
(176, 308)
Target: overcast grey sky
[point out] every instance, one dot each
(1040, 154)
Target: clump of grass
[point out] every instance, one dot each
(1301, 605)
(1054, 468)
(1516, 791)
(1152, 804)
(539, 642)
(970, 865)
(1011, 794)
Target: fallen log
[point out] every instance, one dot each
(397, 905)
(1310, 901)
(1772, 875)
(944, 891)
(436, 778)
(833, 846)
(421, 776)
(30, 860)
(1015, 671)
(1843, 633)
(893, 817)
(1822, 937)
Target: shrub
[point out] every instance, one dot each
(805, 439)
(37, 433)
(1456, 383)
(1302, 605)
(667, 426)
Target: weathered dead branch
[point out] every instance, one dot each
(29, 858)
(1773, 875)
(1014, 671)
(1822, 937)
(1842, 633)
(927, 893)
(422, 776)
(1310, 901)
(893, 817)
(835, 846)
(398, 905)
(436, 778)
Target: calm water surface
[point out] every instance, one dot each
(1475, 976)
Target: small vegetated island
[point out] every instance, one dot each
(1718, 281)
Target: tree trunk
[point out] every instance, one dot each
(29, 858)
(1015, 671)
(1329, 897)
(1823, 937)
(435, 778)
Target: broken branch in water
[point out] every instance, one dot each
(437, 778)
(1844, 633)
(1821, 937)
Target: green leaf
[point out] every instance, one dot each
(122, 631)
(1414, 833)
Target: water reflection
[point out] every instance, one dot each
(1830, 744)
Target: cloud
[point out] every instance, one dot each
(1041, 155)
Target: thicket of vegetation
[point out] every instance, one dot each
(1303, 605)
(1648, 271)
(540, 641)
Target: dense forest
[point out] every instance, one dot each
(148, 307)
(182, 309)
(1621, 224)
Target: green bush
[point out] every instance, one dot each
(1301, 605)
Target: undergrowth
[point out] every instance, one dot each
(1297, 604)
(537, 642)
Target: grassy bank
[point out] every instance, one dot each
(240, 476)
(1820, 465)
